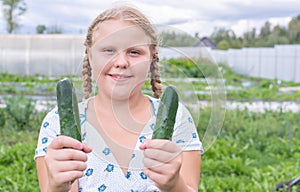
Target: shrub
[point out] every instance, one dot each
(2, 117)
(20, 108)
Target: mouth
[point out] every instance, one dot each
(120, 77)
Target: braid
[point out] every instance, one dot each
(155, 77)
(87, 77)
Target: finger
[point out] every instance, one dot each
(162, 144)
(68, 176)
(152, 164)
(159, 155)
(70, 154)
(157, 177)
(67, 166)
(62, 141)
(86, 148)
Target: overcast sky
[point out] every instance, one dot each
(190, 16)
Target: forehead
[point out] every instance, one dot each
(119, 32)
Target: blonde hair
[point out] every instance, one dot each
(136, 17)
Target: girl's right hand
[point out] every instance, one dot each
(65, 161)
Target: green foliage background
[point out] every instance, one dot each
(253, 152)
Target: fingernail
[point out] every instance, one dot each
(143, 146)
(146, 143)
(80, 146)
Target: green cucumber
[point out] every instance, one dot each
(166, 114)
(68, 109)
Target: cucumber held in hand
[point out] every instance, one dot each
(68, 109)
(166, 114)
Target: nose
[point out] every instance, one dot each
(120, 60)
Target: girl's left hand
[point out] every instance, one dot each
(162, 160)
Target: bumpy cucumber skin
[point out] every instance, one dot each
(68, 109)
(166, 114)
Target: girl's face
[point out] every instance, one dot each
(120, 58)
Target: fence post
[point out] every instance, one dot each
(259, 73)
(295, 65)
(276, 63)
(27, 55)
(297, 62)
(2, 59)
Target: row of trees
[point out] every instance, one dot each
(224, 39)
(268, 36)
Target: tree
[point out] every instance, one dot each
(223, 45)
(294, 30)
(40, 29)
(265, 30)
(12, 9)
(54, 29)
(249, 38)
(177, 39)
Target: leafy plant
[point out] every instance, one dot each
(2, 117)
(183, 67)
(20, 108)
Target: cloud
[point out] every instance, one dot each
(189, 15)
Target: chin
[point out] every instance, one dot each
(124, 93)
(120, 97)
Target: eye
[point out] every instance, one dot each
(134, 52)
(108, 51)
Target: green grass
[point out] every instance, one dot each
(253, 152)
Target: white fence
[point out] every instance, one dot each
(62, 54)
(281, 62)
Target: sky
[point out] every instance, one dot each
(188, 16)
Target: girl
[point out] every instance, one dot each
(117, 153)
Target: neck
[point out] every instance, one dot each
(135, 110)
(108, 104)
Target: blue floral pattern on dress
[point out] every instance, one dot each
(194, 135)
(44, 140)
(89, 172)
(142, 138)
(128, 174)
(143, 175)
(106, 151)
(109, 168)
(152, 126)
(180, 141)
(102, 188)
(133, 155)
(46, 124)
(82, 118)
(83, 136)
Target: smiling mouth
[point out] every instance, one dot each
(119, 76)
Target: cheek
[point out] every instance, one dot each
(142, 69)
(99, 66)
